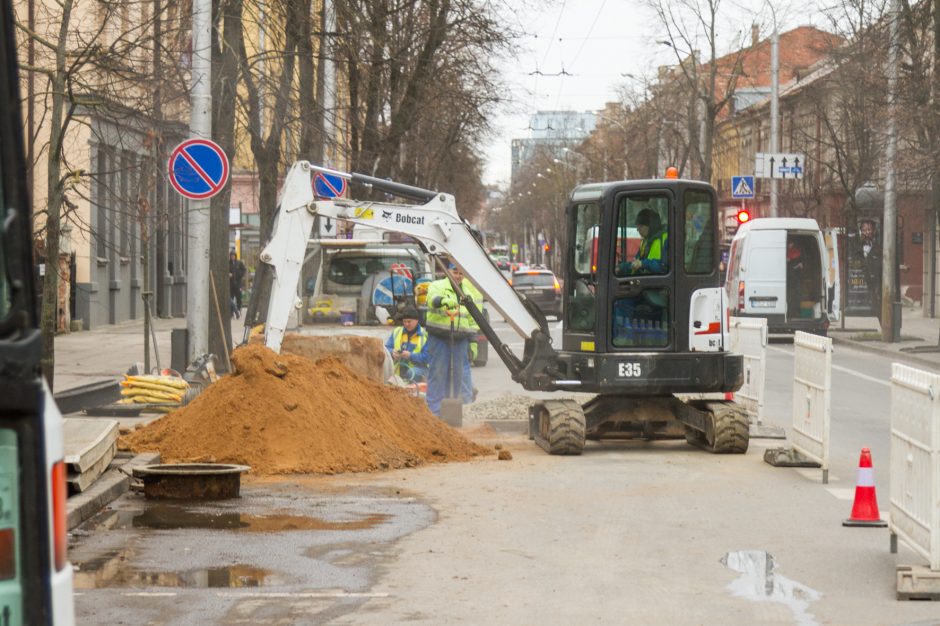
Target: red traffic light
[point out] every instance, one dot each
(546, 247)
(743, 216)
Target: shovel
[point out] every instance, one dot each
(452, 405)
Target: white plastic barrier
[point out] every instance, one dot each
(748, 338)
(812, 394)
(915, 460)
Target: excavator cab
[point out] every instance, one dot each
(644, 320)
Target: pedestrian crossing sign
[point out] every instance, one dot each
(742, 187)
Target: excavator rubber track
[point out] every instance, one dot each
(727, 428)
(557, 426)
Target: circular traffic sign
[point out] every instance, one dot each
(198, 168)
(329, 185)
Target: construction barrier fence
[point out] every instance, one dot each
(915, 460)
(748, 337)
(812, 395)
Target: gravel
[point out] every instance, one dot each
(508, 407)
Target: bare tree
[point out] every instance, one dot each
(421, 80)
(846, 94)
(85, 61)
(708, 83)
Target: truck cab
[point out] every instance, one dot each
(35, 575)
(347, 279)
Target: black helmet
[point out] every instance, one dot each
(648, 217)
(409, 313)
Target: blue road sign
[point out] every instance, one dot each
(328, 185)
(742, 187)
(198, 169)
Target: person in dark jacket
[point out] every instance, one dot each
(236, 274)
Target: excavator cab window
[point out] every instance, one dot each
(582, 284)
(699, 232)
(640, 310)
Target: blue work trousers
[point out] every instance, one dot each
(439, 371)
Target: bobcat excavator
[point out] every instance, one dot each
(635, 332)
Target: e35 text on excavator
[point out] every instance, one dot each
(644, 317)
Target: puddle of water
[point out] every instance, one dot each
(168, 517)
(759, 583)
(113, 570)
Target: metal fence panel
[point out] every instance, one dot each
(812, 391)
(915, 460)
(749, 339)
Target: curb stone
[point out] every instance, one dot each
(109, 486)
(901, 357)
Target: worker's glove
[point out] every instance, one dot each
(449, 302)
(473, 351)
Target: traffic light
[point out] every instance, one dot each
(743, 215)
(546, 247)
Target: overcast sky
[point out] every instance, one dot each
(596, 43)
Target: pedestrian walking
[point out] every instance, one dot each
(236, 274)
(450, 329)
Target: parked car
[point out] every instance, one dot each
(541, 287)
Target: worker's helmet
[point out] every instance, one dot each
(409, 313)
(648, 217)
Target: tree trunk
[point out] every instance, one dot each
(227, 19)
(49, 313)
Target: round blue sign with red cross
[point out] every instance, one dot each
(198, 169)
(328, 185)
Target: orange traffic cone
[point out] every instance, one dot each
(865, 508)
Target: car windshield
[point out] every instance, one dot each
(533, 280)
(353, 270)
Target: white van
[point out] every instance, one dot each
(787, 270)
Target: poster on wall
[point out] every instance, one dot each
(863, 286)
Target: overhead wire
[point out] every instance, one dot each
(561, 83)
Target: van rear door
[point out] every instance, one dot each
(833, 279)
(764, 273)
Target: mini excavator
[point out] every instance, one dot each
(644, 324)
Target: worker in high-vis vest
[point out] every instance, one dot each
(450, 330)
(644, 319)
(406, 345)
(653, 254)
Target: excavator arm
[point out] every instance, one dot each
(436, 224)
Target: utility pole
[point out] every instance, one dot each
(200, 125)
(774, 114)
(329, 87)
(890, 327)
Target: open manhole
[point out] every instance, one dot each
(191, 481)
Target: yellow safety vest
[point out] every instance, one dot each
(437, 318)
(655, 252)
(418, 339)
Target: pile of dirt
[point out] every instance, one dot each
(285, 414)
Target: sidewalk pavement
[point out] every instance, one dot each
(918, 332)
(107, 352)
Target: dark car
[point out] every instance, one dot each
(502, 262)
(541, 287)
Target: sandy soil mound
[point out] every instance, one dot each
(284, 414)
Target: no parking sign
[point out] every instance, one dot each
(198, 169)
